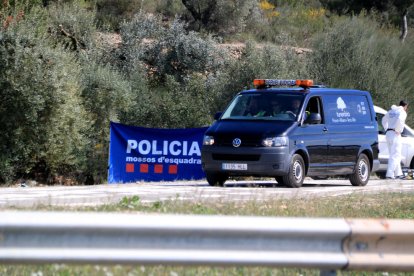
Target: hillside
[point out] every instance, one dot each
(70, 68)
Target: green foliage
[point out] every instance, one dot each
(222, 16)
(256, 61)
(130, 202)
(289, 24)
(13, 7)
(168, 50)
(184, 68)
(405, 68)
(111, 13)
(177, 64)
(106, 95)
(40, 105)
(71, 25)
(391, 11)
(58, 97)
(356, 7)
(64, 77)
(104, 91)
(355, 53)
(168, 8)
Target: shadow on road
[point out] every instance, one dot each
(256, 183)
(270, 184)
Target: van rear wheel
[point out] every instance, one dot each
(216, 179)
(296, 175)
(362, 171)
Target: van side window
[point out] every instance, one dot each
(347, 109)
(314, 106)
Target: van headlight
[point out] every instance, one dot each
(275, 142)
(208, 140)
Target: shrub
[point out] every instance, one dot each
(105, 95)
(290, 23)
(111, 13)
(177, 64)
(356, 53)
(71, 25)
(235, 17)
(168, 50)
(41, 115)
(256, 61)
(173, 105)
(404, 64)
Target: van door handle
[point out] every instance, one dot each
(325, 129)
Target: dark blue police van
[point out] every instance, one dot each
(293, 132)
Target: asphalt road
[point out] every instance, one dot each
(18, 197)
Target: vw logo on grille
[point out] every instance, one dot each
(236, 142)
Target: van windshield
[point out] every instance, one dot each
(264, 106)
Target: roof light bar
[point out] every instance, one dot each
(304, 83)
(262, 83)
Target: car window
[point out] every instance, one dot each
(381, 129)
(407, 133)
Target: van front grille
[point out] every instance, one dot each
(244, 144)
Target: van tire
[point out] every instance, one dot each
(296, 175)
(215, 179)
(362, 171)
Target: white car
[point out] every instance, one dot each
(407, 136)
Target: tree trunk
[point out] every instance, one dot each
(201, 13)
(404, 26)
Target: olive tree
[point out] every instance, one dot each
(41, 113)
(354, 53)
(164, 63)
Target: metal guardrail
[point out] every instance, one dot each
(113, 238)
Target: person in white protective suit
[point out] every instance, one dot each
(393, 122)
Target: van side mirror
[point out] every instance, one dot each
(313, 118)
(217, 115)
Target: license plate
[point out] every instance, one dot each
(234, 166)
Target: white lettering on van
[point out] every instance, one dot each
(343, 114)
(344, 120)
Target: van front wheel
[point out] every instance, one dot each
(215, 179)
(362, 171)
(296, 175)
